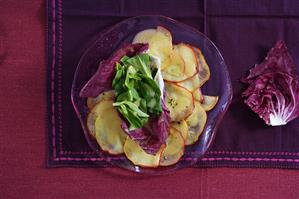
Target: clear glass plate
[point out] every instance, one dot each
(111, 39)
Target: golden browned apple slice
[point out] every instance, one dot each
(189, 57)
(160, 46)
(107, 95)
(164, 31)
(139, 157)
(192, 120)
(196, 123)
(98, 109)
(160, 43)
(203, 68)
(197, 95)
(182, 127)
(91, 119)
(144, 36)
(174, 72)
(179, 102)
(191, 84)
(209, 102)
(174, 149)
(109, 135)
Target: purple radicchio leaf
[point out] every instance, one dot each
(152, 136)
(102, 80)
(273, 91)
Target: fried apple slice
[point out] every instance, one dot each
(182, 65)
(100, 108)
(174, 72)
(209, 102)
(164, 31)
(197, 113)
(174, 150)
(107, 95)
(179, 102)
(160, 46)
(191, 84)
(138, 156)
(197, 95)
(144, 36)
(189, 57)
(196, 122)
(203, 68)
(109, 135)
(192, 120)
(182, 127)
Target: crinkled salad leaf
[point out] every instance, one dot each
(273, 91)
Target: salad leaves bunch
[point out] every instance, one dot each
(138, 95)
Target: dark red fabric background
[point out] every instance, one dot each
(23, 137)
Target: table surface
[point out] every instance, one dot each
(23, 172)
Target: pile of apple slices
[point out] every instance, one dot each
(184, 71)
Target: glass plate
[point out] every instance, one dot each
(111, 39)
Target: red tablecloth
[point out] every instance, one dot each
(23, 172)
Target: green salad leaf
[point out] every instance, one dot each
(137, 93)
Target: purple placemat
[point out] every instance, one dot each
(242, 30)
